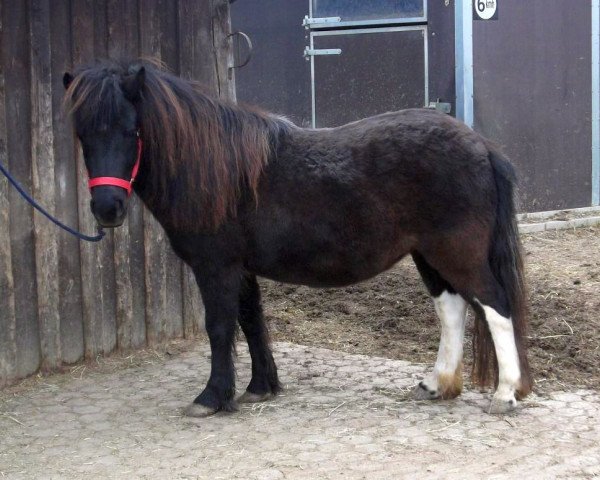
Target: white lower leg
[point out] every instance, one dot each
(446, 379)
(509, 372)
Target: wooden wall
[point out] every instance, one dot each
(62, 300)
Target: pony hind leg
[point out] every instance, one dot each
(264, 383)
(498, 341)
(494, 311)
(446, 380)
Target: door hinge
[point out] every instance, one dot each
(309, 22)
(311, 52)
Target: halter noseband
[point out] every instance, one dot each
(120, 182)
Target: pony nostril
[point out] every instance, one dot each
(109, 213)
(119, 208)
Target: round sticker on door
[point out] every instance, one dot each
(485, 9)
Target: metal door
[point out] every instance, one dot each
(367, 71)
(373, 56)
(394, 54)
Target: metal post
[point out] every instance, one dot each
(463, 52)
(595, 102)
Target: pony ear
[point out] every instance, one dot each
(67, 79)
(134, 82)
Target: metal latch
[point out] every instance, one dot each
(308, 21)
(440, 106)
(310, 52)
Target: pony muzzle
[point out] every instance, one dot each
(109, 205)
(109, 194)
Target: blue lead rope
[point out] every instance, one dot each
(40, 209)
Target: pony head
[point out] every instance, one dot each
(102, 102)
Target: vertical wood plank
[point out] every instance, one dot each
(169, 39)
(196, 62)
(65, 175)
(156, 318)
(193, 307)
(100, 35)
(164, 311)
(42, 159)
(222, 49)
(8, 348)
(172, 278)
(123, 29)
(16, 59)
(106, 258)
(97, 268)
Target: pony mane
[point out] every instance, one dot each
(200, 155)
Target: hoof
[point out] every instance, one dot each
(499, 405)
(421, 392)
(249, 397)
(198, 411)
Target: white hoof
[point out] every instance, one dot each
(501, 405)
(422, 392)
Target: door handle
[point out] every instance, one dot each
(309, 22)
(311, 52)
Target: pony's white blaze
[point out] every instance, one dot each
(446, 378)
(509, 373)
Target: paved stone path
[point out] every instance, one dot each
(341, 417)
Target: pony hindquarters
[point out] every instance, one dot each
(480, 265)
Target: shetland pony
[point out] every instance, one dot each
(243, 193)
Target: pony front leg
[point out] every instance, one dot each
(264, 384)
(220, 295)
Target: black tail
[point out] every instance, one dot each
(507, 266)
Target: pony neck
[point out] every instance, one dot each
(202, 156)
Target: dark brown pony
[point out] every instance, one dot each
(242, 193)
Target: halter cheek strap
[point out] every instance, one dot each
(120, 182)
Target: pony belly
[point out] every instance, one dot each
(323, 270)
(316, 280)
(337, 261)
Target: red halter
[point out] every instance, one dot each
(119, 182)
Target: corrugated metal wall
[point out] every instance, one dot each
(60, 299)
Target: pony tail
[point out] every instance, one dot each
(506, 263)
(485, 364)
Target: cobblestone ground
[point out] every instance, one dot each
(342, 416)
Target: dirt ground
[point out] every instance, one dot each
(392, 315)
